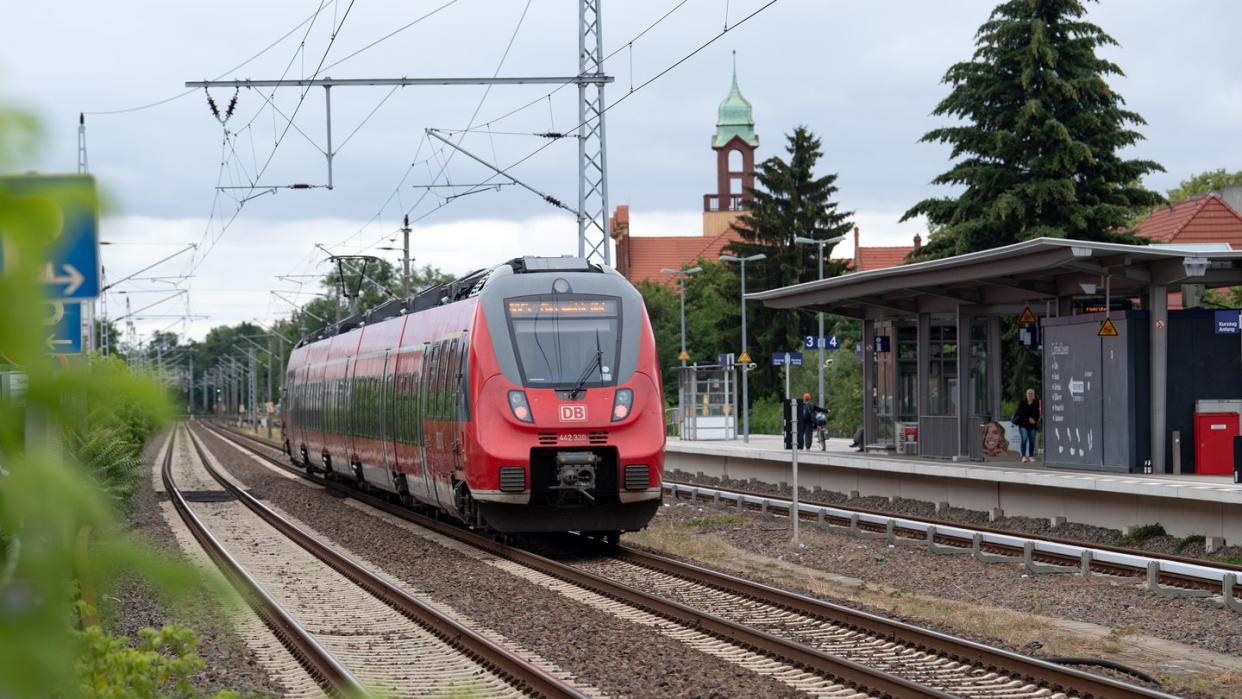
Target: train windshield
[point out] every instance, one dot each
(565, 341)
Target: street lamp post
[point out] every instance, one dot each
(745, 349)
(681, 280)
(819, 339)
(681, 275)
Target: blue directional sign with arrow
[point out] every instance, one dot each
(64, 328)
(72, 268)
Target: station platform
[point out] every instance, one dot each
(1182, 504)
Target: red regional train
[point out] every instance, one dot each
(521, 398)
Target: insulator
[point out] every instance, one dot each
(232, 105)
(215, 111)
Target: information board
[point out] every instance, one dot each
(1073, 415)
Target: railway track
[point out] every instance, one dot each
(868, 652)
(1171, 575)
(355, 622)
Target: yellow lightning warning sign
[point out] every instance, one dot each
(1107, 329)
(743, 358)
(1028, 317)
(684, 356)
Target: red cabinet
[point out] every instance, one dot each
(1214, 433)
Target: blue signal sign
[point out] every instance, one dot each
(1227, 323)
(71, 270)
(795, 358)
(64, 328)
(829, 343)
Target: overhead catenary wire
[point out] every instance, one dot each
(548, 97)
(272, 154)
(239, 66)
(503, 171)
(483, 99)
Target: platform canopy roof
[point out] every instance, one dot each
(1002, 280)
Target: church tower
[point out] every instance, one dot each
(734, 142)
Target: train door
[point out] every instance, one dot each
(388, 412)
(457, 412)
(429, 429)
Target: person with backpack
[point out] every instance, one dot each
(808, 414)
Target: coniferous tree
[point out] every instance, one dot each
(1037, 149)
(789, 201)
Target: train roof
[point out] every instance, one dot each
(459, 289)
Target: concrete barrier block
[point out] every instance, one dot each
(942, 507)
(995, 513)
(1214, 543)
(854, 495)
(1055, 522)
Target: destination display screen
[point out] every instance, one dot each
(582, 308)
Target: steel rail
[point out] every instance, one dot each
(1041, 672)
(998, 660)
(841, 670)
(1178, 572)
(508, 664)
(316, 659)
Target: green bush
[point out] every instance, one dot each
(109, 457)
(160, 664)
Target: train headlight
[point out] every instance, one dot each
(519, 406)
(622, 404)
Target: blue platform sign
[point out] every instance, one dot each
(882, 344)
(64, 333)
(778, 358)
(829, 343)
(1227, 323)
(72, 268)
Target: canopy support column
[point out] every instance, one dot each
(871, 421)
(1159, 313)
(963, 384)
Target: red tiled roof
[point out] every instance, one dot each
(1205, 219)
(650, 254)
(881, 257)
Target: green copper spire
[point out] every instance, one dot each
(735, 116)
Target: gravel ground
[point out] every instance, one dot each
(619, 657)
(134, 604)
(1200, 623)
(1084, 533)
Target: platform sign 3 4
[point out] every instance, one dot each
(71, 269)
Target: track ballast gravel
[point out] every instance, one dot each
(1123, 605)
(619, 657)
(134, 604)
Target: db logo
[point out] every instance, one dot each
(573, 413)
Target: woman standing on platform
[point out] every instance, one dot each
(1027, 421)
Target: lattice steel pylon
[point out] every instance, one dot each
(593, 238)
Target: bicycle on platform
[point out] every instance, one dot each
(821, 430)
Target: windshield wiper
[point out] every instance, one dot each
(597, 362)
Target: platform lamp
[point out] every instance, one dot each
(681, 275)
(744, 360)
(819, 339)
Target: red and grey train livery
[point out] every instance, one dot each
(522, 398)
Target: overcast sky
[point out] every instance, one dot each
(863, 75)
